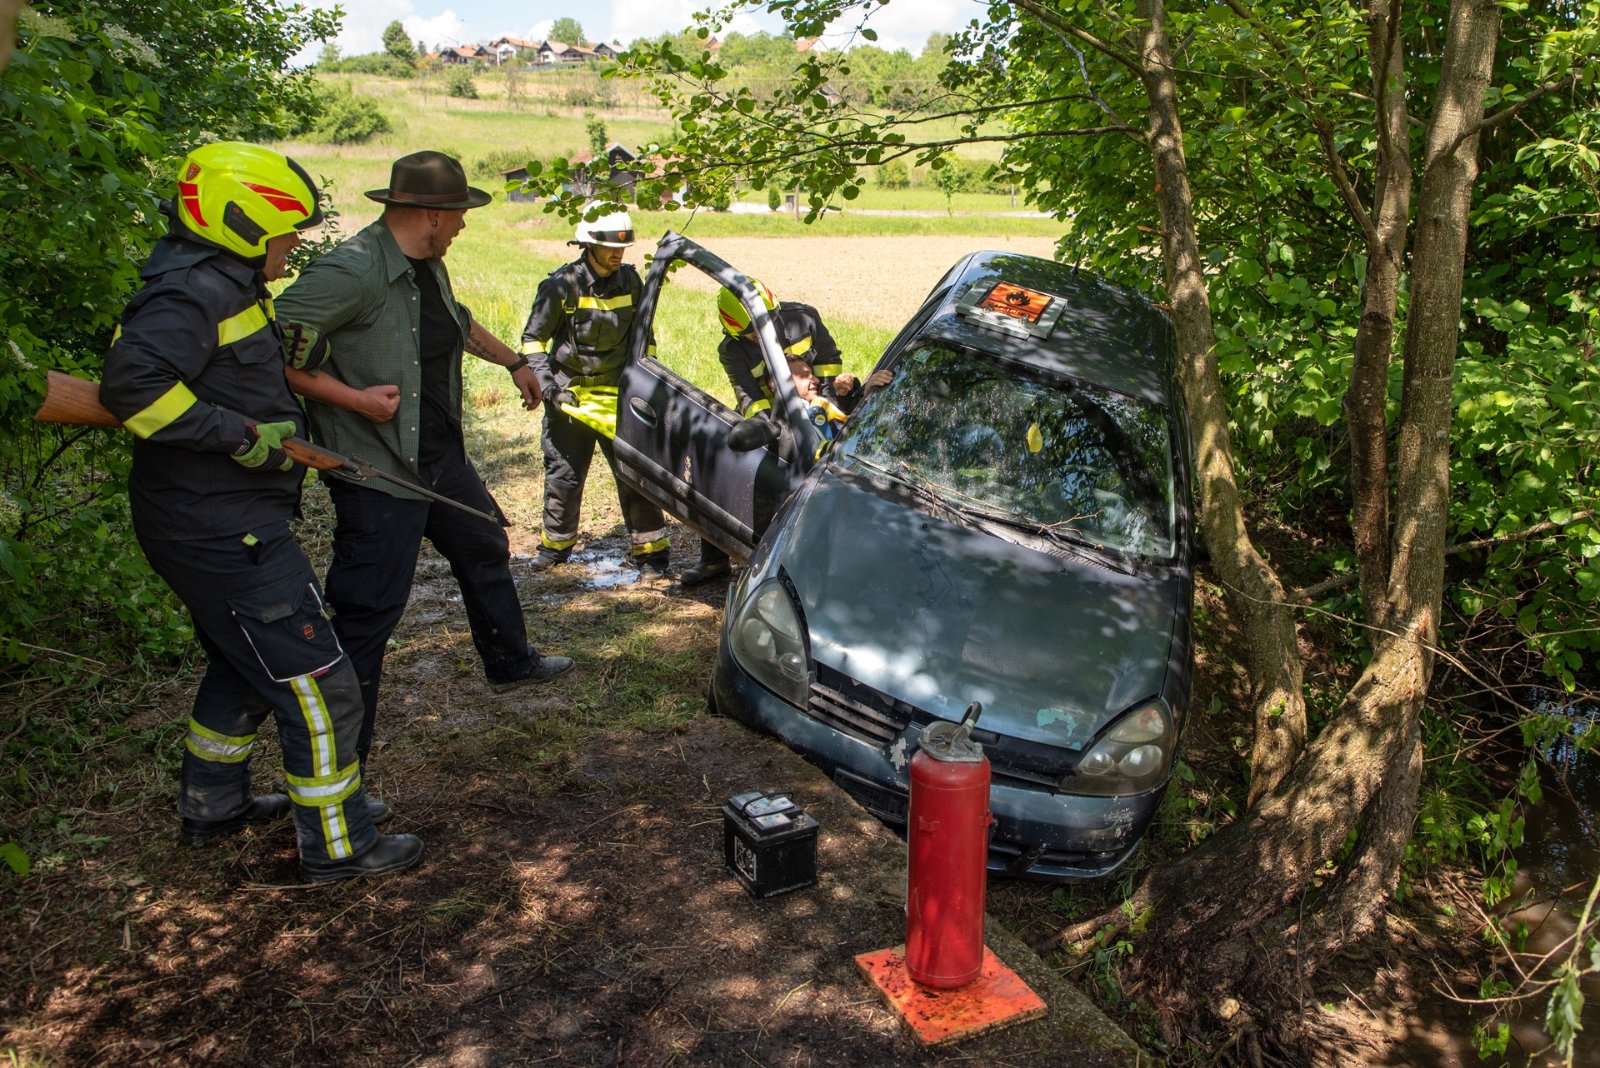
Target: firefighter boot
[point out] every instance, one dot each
(714, 564)
(263, 808)
(391, 852)
(653, 567)
(547, 558)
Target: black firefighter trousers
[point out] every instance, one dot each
(260, 618)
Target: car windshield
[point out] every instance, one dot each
(1070, 460)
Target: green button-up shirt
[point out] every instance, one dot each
(355, 313)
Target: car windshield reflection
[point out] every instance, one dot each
(1073, 461)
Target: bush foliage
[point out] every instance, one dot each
(99, 102)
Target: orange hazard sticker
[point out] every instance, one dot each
(1016, 302)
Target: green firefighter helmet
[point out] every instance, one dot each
(735, 319)
(239, 196)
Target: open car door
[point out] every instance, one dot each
(672, 436)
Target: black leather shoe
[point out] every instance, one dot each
(545, 559)
(264, 808)
(705, 571)
(391, 852)
(547, 668)
(380, 812)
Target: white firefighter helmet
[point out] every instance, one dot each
(613, 229)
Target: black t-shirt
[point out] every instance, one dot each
(440, 430)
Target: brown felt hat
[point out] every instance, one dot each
(429, 180)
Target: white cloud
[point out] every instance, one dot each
(361, 30)
(907, 24)
(632, 19)
(446, 28)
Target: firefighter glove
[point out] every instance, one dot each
(264, 452)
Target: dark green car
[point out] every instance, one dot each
(1007, 521)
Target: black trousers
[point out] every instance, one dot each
(568, 450)
(269, 649)
(375, 542)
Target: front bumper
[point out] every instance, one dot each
(1037, 833)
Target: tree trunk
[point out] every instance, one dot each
(1252, 587)
(1212, 909)
(1364, 403)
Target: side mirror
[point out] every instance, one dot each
(751, 434)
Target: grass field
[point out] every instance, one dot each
(508, 247)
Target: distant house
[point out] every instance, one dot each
(608, 51)
(518, 196)
(558, 52)
(508, 49)
(465, 54)
(615, 167)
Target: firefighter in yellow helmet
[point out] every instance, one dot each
(804, 337)
(195, 371)
(576, 341)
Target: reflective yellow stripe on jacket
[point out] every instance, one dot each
(238, 327)
(163, 413)
(606, 303)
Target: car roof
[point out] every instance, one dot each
(1089, 329)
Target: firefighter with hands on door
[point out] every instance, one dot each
(576, 342)
(375, 339)
(803, 336)
(195, 372)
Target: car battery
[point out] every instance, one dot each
(768, 842)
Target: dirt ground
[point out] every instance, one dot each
(572, 907)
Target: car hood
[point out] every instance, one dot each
(939, 614)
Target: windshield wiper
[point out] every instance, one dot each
(1047, 531)
(902, 475)
(946, 502)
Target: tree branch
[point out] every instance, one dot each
(1316, 591)
(1056, 22)
(1319, 121)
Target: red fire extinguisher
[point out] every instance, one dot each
(948, 835)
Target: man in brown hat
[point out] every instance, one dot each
(374, 337)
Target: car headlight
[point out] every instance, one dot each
(1130, 758)
(769, 642)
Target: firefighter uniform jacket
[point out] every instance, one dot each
(196, 353)
(802, 335)
(577, 332)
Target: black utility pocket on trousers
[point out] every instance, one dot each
(288, 629)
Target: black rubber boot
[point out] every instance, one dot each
(653, 567)
(714, 564)
(545, 559)
(391, 852)
(380, 812)
(264, 808)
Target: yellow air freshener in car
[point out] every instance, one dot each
(1035, 437)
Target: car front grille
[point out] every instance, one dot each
(863, 713)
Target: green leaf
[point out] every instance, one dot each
(15, 858)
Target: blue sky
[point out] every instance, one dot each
(901, 24)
